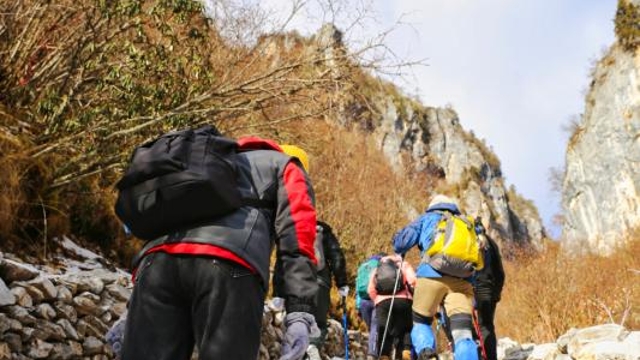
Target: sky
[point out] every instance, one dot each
(515, 71)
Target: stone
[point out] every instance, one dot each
(92, 346)
(11, 270)
(22, 297)
(39, 349)
(6, 296)
(45, 311)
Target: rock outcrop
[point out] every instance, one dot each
(431, 141)
(601, 187)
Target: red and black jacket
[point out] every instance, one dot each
(248, 235)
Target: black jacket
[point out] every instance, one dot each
(490, 280)
(334, 258)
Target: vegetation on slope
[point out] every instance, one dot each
(627, 25)
(552, 291)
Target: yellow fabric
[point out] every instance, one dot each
(298, 153)
(460, 241)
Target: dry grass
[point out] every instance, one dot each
(553, 291)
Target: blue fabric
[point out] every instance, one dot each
(422, 337)
(420, 233)
(426, 271)
(115, 335)
(465, 349)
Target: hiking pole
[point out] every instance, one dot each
(393, 298)
(344, 324)
(476, 326)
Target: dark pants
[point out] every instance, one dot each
(486, 312)
(400, 324)
(182, 301)
(368, 314)
(323, 299)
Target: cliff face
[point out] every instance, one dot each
(421, 140)
(439, 147)
(601, 188)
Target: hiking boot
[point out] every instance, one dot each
(406, 354)
(427, 354)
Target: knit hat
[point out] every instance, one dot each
(298, 153)
(442, 199)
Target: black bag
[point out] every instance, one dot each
(177, 180)
(386, 275)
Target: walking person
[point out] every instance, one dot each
(393, 305)
(364, 305)
(451, 254)
(331, 264)
(488, 289)
(205, 285)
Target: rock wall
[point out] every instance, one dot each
(439, 147)
(601, 188)
(63, 310)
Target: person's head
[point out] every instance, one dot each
(298, 153)
(442, 199)
(443, 202)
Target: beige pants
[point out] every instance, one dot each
(455, 293)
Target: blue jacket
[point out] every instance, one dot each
(420, 232)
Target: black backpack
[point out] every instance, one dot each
(177, 180)
(386, 275)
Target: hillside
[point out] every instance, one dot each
(85, 84)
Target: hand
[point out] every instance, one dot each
(300, 326)
(115, 335)
(344, 291)
(479, 226)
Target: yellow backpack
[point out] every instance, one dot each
(456, 248)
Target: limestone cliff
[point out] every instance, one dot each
(601, 187)
(430, 141)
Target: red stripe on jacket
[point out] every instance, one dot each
(197, 249)
(301, 209)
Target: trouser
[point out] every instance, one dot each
(400, 323)
(486, 313)
(182, 301)
(457, 296)
(323, 300)
(368, 314)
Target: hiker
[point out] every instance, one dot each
(331, 261)
(443, 277)
(488, 289)
(364, 304)
(394, 323)
(206, 285)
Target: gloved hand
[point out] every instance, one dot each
(115, 335)
(479, 226)
(344, 291)
(300, 327)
